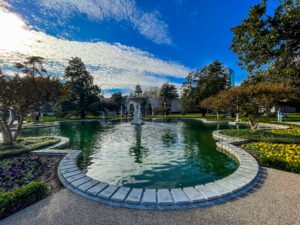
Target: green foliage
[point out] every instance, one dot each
(117, 99)
(205, 82)
(23, 145)
(262, 135)
(268, 44)
(22, 95)
(19, 171)
(19, 198)
(32, 66)
(84, 92)
(167, 93)
(252, 100)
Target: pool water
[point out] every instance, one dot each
(158, 154)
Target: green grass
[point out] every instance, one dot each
(262, 135)
(27, 144)
(291, 117)
(179, 116)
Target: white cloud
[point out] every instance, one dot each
(113, 65)
(148, 24)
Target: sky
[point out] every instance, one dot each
(122, 42)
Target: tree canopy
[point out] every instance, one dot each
(205, 82)
(80, 81)
(22, 95)
(117, 99)
(269, 44)
(252, 100)
(167, 93)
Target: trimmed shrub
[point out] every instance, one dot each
(22, 197)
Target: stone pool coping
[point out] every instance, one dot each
(232, 186)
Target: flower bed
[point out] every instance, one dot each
(19, 171)
(291, 131)
(280, 156)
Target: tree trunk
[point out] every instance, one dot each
(82, 114)
(6, 133)
(218, 116)
(19, 127)
(253, 124)
(237, 117)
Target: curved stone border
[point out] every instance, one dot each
(55, 149)
(232, 186)
(217, 135)
(213, 121)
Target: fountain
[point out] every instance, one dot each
(137, 114)
(136, 101)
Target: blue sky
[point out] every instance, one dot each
(124, 42)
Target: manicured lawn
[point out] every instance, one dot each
(190, 115)
(263, 135)
(208, 116)
(27, 144)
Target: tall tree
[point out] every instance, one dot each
(205, 82)
(117, 99)
(268, 43)
(168, 92)
(32, 66)
(84, 92)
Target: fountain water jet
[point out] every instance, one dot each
(137, 114)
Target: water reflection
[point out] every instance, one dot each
(138, 150)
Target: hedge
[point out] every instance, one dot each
(22, 197)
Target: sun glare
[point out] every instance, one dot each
(14, 36)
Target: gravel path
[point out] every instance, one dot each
(276, 201)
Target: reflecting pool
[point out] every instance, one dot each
(158, 154)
